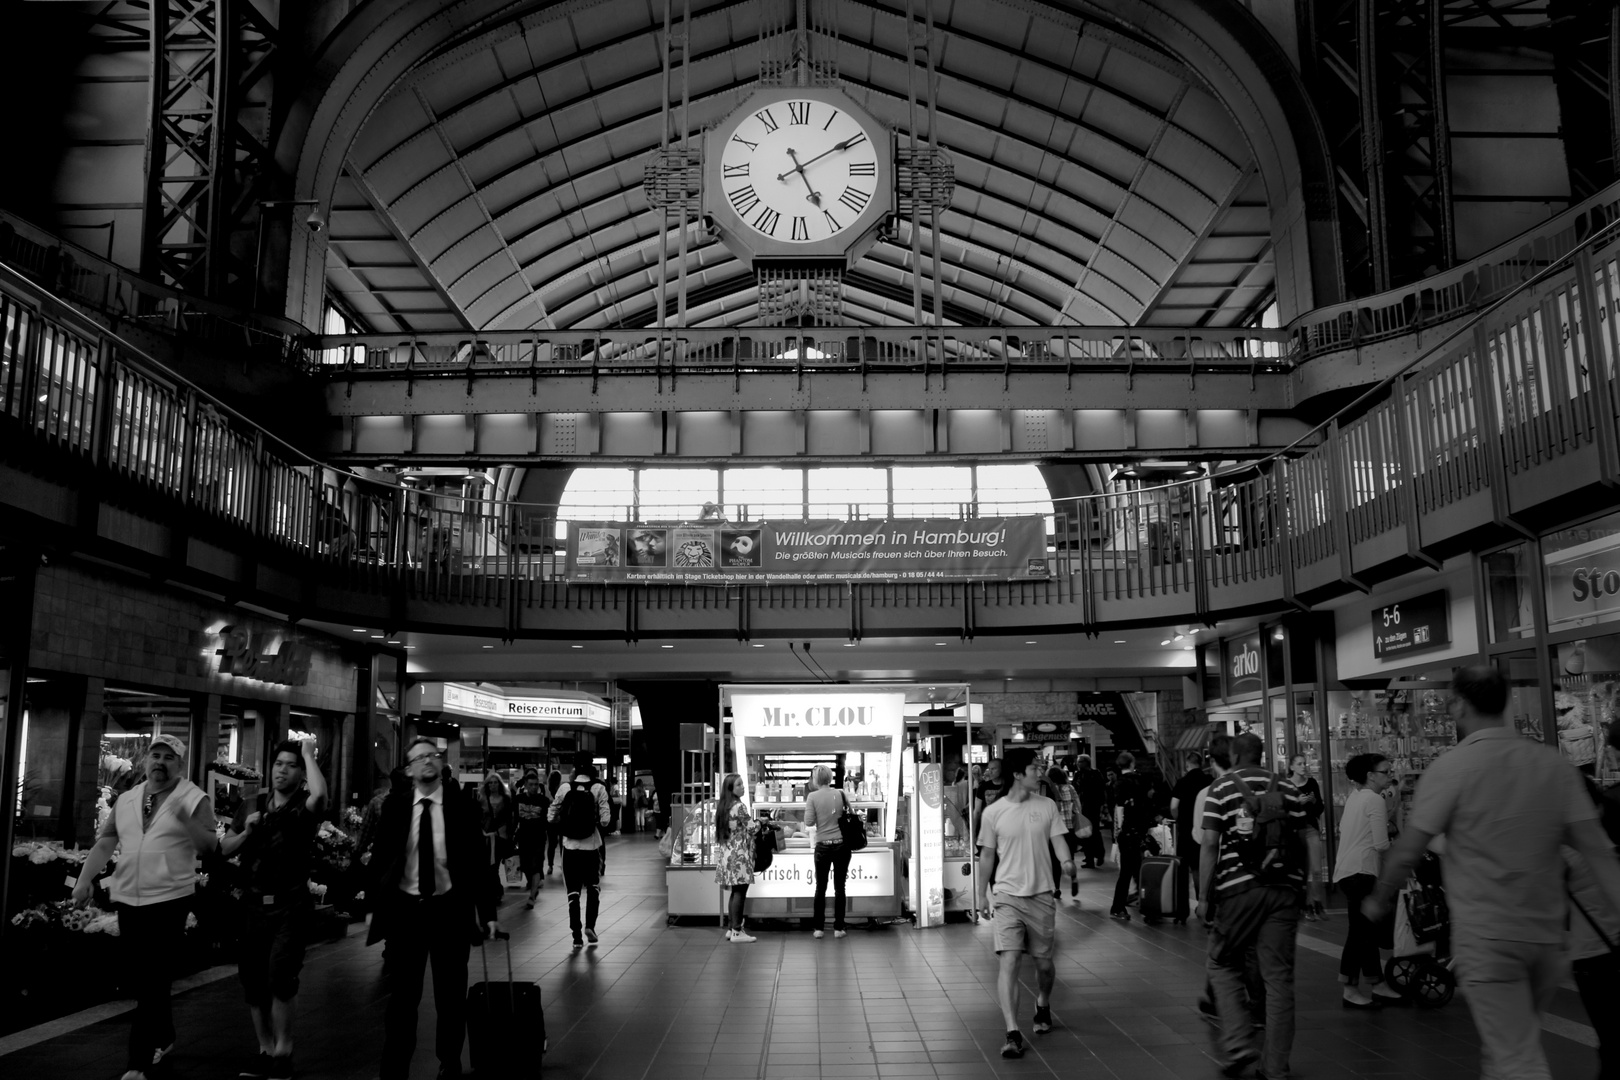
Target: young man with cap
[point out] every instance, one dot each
(274, 838)
(582, 867)
(158, 828)
(1018, 836)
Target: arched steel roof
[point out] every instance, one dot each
(498, 182)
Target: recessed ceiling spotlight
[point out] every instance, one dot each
(849, 644)
(489, 646)
(666, 646)
(377, 636)
(1119, 641)
(757, 645)
(1189, 648)
(1031, 643)
(410, 646)
(1166, 641)
(576, 646)
(1179, 637)
(359, 629)
(939, 643)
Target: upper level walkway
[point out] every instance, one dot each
(1504, 423)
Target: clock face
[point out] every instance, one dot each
(800, 170)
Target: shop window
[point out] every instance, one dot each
(45, 760)
(1583, 574)
(1587, 700)
(1508, 581)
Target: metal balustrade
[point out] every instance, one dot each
(1523, 392)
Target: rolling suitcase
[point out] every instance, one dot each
(1164, 889)
(506, 1029)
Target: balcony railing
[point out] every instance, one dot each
(1500, 410)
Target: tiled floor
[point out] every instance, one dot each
(679, 1003)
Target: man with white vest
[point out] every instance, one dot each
(158, 829)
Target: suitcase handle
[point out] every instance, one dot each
(501, 935)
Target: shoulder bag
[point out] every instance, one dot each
(851, 827)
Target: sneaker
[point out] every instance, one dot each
(590, 937)
(1387, 994)
(1014, 1046)
(529, 906)
(742, 935)
(1208, 1013)
(579, 943)
(840, 933)
(1121, 914)
(817, 933)
(257, 1067)
(1043, 1019)
(281, 1068)
(1240, 1066)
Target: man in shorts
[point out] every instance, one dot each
(275, 837)
(1018, 835)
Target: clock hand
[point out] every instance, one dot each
(836, 148)
(814, 196)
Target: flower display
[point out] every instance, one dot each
(236, 771)
(334, 848)
(317, 890)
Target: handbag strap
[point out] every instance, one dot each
(1590, 921)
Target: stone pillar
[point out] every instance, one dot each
(205, 737)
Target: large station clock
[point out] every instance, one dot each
(798, 173)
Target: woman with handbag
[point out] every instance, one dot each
(1363, 837)
(1068, 800)
(822, 809)
(734, 829)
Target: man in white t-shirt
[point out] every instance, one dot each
(1018, 835)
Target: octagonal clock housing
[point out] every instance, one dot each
(798, 172)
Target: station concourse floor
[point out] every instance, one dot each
(657, 1002)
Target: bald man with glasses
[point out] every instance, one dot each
(434, 894)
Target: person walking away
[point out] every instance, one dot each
(1219, 753)
(553, 833)
(1363, 838)
(581, 811)
(1504, 805)
(274, 839)
(1312, 792)
(734, 829)
(1594, 926)
(533, 806)
(497, 819)
(822, 808)
(158, 828)
(1183, 807)
(989, 790)
(1093, 796)
(1074, 822)
(434, 893)
(1133, 817)
(1020, 831)
(1258, 859)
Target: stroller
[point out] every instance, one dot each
(1421, 968)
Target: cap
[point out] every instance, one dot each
(172, 742)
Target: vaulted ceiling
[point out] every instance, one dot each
(499, 185)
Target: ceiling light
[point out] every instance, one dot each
(489, 646)
(1179, 637)
(1119, 641)
(849, 644)
(410, 646)
(1031, 643)
(757, 645)
(1189, 648)
(666, 646)
(576, 646)
(939, 643)
(1166, 641)
(359, 629)
(377, 636)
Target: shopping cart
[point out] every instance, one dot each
(1423, 970)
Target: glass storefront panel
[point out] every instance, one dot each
(1583, 575)
(1587, 700)
(1524, 695)
(1509, 578)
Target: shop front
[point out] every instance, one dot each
(774, 736)
(487, 729)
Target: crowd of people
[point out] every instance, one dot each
(1528, 848)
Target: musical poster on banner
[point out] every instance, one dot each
(729, 553)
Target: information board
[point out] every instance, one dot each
(1412, 625)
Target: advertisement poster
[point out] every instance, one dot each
(733, 553)
(930, 845)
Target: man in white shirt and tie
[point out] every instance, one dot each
(428, 914)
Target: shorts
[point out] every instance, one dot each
(273, 952)
(1026, 924)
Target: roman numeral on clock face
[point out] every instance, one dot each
(767, 221)
(798, 112)
(855, 199)
(743, 199)
(832, 222)
(863, 168)
(764, 116)
(801, 230)
(751, 145)
(728, 172)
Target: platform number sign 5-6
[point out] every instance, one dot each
(1392, 616)
(1413, 624)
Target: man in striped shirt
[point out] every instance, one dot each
(1257, 892)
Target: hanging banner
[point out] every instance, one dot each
(730, 553)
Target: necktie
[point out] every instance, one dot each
(425, 880)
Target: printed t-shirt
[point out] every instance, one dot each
(1222, 811)
(277, 854)
(1020, 833)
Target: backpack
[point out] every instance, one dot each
(578, 818)
(1274, 852)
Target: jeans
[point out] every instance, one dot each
(1130, 868)
(581, 870)
(834, 856)
(1359, 960)
(1266, 921)
(154, 935)
(1509, 985)
(438, 929)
